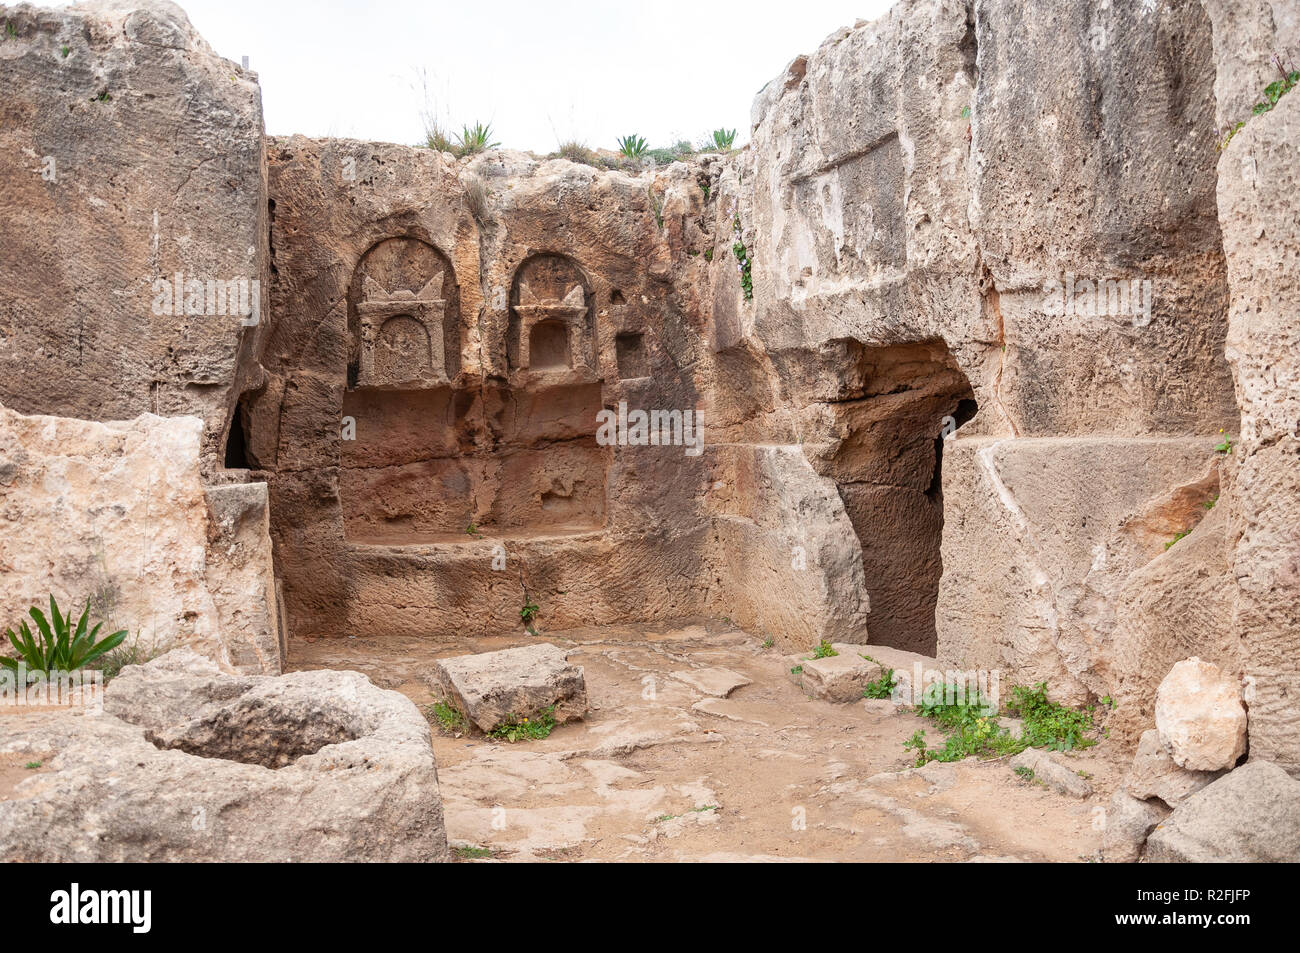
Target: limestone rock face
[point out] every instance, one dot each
(494, 687)
(188, 764)
(1200, 717)
(130, 154)
(1155, 775)
(1249, 815)
(1259, 213)
(116, 514)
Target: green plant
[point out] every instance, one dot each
(450, 719)
(1274, 91)
(1226, 446)
(103, 97)
(528, 613)
(965, 112)
(769, 642)
(576, 151)
(1025, 772)
(525, 729)
(708, 254)
(437, 139)
(824, 650)
(9, 29)
(917, 743)
(723, 139)
(797, 670)
(743, 265)
(474, 139)
(468, 852)
(60, 648)
(1048, 724)
(472, 529)
(882, 687)
(1177, 537)
(111, 663)
(632, 147)
(969, 722)
(33, 765)
(66, 51)
(1209, 504)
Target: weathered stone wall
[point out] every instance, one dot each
(921, 179)
(1259, 172)
(469, 488)
(1002, 282)
(129, 153)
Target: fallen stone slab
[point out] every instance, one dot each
(1251, 814)
(1053, 773)
(189, 764)
(493, 687)
(839, 678)
(1201, 717)
(1129, 821)
(1154, 773)
(718, 682)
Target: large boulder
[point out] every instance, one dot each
(1200, 716)
(189, 764)
(1251, 814)
(116, 514)
(492, 688)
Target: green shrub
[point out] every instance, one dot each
(474, 139)
(723, 139)
(57, 646)
(633, 147)
(449, 719)
(1047, 724)
(525, 729)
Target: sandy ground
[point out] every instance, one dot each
(661, 772)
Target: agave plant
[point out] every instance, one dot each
(474, 139)
(634, 147)
(723, 139)
(57, 646)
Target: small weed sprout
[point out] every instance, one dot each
(515, 728)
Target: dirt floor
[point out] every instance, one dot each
(661, 772)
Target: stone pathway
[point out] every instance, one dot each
(668, 766)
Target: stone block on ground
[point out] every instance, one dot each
(493, 687)
(189, 764)
(1251, 814)
(1154, 773)
(718, 682)
(839, 678)
(1201, 717)
(1053, 773)
(1129, 821)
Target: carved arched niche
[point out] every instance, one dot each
(551, 316)
(403, 317)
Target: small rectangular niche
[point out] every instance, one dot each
(632, 358)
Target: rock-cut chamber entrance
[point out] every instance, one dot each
(885, 454)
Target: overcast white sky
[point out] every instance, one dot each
(539, 72)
